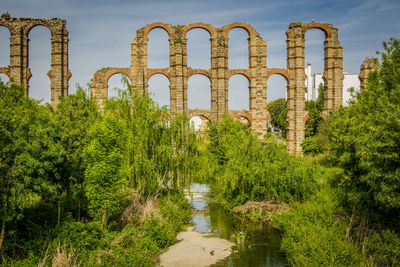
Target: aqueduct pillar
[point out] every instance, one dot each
(19, 71)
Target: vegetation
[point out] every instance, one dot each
(278, 111)
(105, 189)
(82, 187)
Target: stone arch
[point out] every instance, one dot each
(250, 30)
(199, 71)
(99, 83)
(243, 72)
(161, 72)
(199, 126)
(281, 72)
(316, 25)
(5, 71)
(160, 25)
(199, 25)
(164, 72)
(28, 28)
(112, 72)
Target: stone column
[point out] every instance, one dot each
(138, 67)
(220, 84)
(99, 88)
(369, 64)
(296, 88)
(214, 78)
(333, 73)
(16, 63)
(178, 81)
(258, 84)
(59, 70)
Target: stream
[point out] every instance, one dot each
(259, 242)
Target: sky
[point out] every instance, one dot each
(101, 33)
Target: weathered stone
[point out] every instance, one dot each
(18, 71)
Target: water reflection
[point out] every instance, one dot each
(261, 242)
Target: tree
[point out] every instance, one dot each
(365, 140)
(28, 154)
(278, 111)
(315, 108)
(72, 120)
(105, 174)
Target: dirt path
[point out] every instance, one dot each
(195, 250)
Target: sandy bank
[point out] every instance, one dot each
(195, 250)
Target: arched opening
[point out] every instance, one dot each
(277, 104)
(40, 63)
(4, 78)
(314, 62)
(199, 123)
(4, 46)
(244, 120)
(198, 49)
(159, 89)
(238, 93)
(276, 88)
(199, 92)
(115, 83)
(158, 49)
(238, 49)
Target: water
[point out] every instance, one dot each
(262, 242)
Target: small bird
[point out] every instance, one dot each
(212, 252)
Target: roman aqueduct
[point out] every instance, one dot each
(178, 71)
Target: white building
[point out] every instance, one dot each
(314, 80)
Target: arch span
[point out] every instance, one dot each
(249, 29)
(281, 72)
(199, 25)
(166, 27)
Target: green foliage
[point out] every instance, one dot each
(385, 248)
(249, 170)
(105, 176)
(365, 141)
(312, 236)
(160, 151)
(278, 111)
(314, 109)
(28, 154)
(83, 237)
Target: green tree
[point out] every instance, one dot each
(365, 140)
(278, 111)
(28, 154)
(315, 108)
(72, 120)
(105, 175)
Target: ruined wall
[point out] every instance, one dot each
(18, 70)
(219, 74)
(369, 64)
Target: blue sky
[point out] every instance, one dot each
(101, 33)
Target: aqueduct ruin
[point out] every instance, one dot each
(18, 70)
(178, 71)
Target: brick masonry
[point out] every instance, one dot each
(19, 72)
(178, 72)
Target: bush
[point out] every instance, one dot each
(313, 236)
(249, 170)
(83, 237)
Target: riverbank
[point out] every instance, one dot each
(196, 250)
